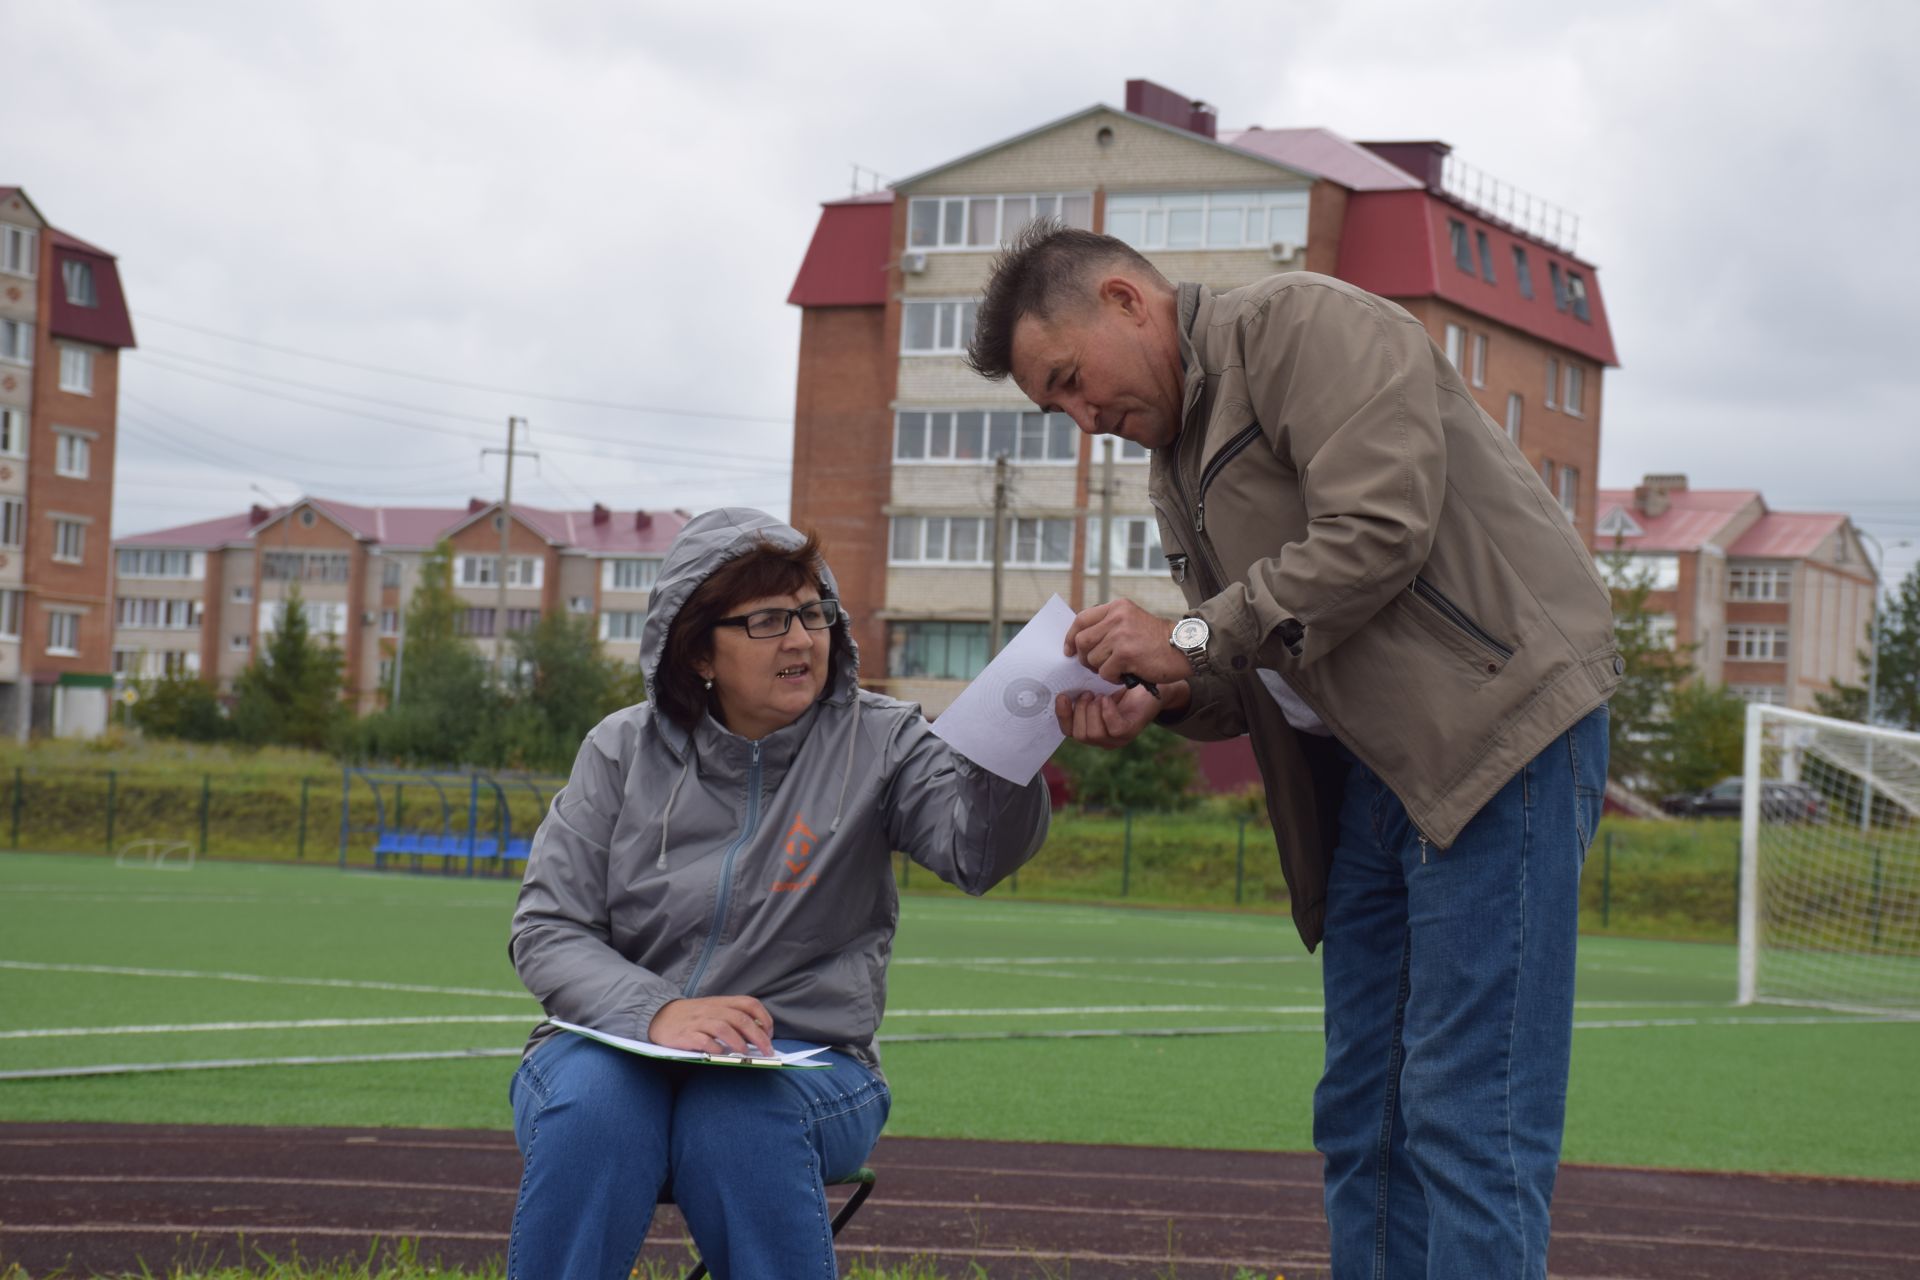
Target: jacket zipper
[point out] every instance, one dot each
(726, 873)
(1228, 452)
(1457, 616)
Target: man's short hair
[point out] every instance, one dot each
(1048, 268)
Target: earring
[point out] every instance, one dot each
(709, 686)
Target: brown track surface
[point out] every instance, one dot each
(102, 1199)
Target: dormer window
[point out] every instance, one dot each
(1559, 286)
(1522, 272)
(1577, 296)
(1486, 257)
(78, 277)
(1462, 250)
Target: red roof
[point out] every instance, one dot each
(846, 265)
(1693, 518)
(1324, 154)
(1782, 535)
(106, 323)
(419, 527)
(205, 535)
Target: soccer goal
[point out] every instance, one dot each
(156, 855)
(1829, 864)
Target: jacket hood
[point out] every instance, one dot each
(708, 541)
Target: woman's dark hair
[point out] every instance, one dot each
(766, 569)
(1048, 268)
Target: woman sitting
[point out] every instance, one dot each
(717, 875)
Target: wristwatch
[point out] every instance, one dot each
(1190, 637)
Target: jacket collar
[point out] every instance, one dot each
(725, 753)
(1196, 305)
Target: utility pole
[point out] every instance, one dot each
(506, 530)
(1106, 522)
(999, 550)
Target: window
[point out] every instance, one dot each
(76, 370)
(974, 436)
(1523, 271)
(13, 522)
(304, 566)
(16, 342)
(484, 571)
(937, 328)
(522, 620)
(1663, 630)
(579, 604)
(1479, 359)
(1486, 257)
(18, 250)
(178, 662)
(157, 613)
(1577, 295)
(940, 650)
(628, 575)
(1462, 250)
(1546, 473)
(63, 633)
(1569, 490)
(1208, 219)
(390, 573)
(1576, 387)
(474, 622)
(13, 432)
(1514, 406)
(324, 617)
(140, 562)
(1771, 695)
(622, 624)
(1757, 644)
(239, 595)
(1553, 383)
(240, 642)
(1135, 546)
(1131, 451)
(72, 454)
(986, 222)
(1660, 572)
(1457, 347)
(389, 622)
(69, 541)
(78, 277)
(1760, 582)
(10, 614)
(968, 540)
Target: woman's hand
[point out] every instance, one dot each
(714, 1024)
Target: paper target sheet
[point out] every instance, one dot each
(1004, 720)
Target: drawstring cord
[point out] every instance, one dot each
(667, 813)
(853, 739)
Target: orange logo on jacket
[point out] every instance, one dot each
(799, 852)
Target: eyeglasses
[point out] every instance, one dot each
(770, 624)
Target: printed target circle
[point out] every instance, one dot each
(1026, 697)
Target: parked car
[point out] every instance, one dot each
(1779, 802)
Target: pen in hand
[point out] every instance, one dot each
(1135, 682)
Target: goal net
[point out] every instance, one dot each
(1829, 864)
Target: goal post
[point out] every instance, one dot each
(1829, 863)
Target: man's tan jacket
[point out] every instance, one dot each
(1340, 511)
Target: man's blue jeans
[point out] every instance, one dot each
(748, 1151)
(1449, 1019)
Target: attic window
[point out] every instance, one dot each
(1522, 271)
(1486, 256)
(78, 277)
(307, 518)
(1577, 295)
(1462, 249)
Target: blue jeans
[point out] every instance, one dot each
(746, 1150)
(1449, 1019)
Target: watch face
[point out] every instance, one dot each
(1190, 633)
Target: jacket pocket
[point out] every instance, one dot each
(1456, 629)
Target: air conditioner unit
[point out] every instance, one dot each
(913, 263)
(1282, 250)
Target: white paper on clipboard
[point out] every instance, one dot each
(1004, 720)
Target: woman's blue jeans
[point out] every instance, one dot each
(1449, 1018)
(747, 1151)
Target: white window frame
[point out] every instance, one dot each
(954, 215)
(1572, 402)
(12, 605)
(1478, 346)
(1266, 217)
(1136, 546)
(1516, 409)
(1771, 695)
(16, 342)
(1031, 438)
(626, 573)
(1661, 571)
(79, 271)
(953, 325)
(65, 621)
(483, 571)
(1759, 582)
(13, 523)
(157, 562)
(239, 642)
(242, 593)
(579, 604)
(1663, 629)
(324, 617)
(69, 539)
(76, 369)
(73, 453)
(1553, 383)
(923, 541)
(13, 432)
(1457, 347)
(389, 622)
(1569, 490)
(623, 626)
(19, 250)
(1757, 644)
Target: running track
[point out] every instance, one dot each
(105, 1198)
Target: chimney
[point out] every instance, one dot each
(1159, 103)
(476, 504)
(642, 520)
(1424, 160)
(600, 514)
(257, 514)
(1650, 495)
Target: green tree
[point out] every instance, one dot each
(290, 693)
(1638, 726)
(1898, 700)
(179, 706)
(445, 705)
(1705, 737)
(1154, 771)
(562, 685)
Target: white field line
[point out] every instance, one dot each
(66, 893)
(298, 1024)
(129, 971)
(222, 1064)
(1180, 961)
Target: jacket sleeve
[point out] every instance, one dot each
(1347, 394)
(560, 944)
(970, 827)
(1212, 714)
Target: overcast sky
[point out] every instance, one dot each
(608, 202)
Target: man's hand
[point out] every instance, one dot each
(1120, 638)
(1114, 719)
(714, 1024)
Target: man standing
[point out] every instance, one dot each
(1385, 598)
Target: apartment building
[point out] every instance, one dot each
(201, 599)
(1775, 604)
(63, 324)
(895, 439)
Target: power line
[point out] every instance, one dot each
(555, 397)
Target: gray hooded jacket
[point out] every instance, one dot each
(696, 864)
